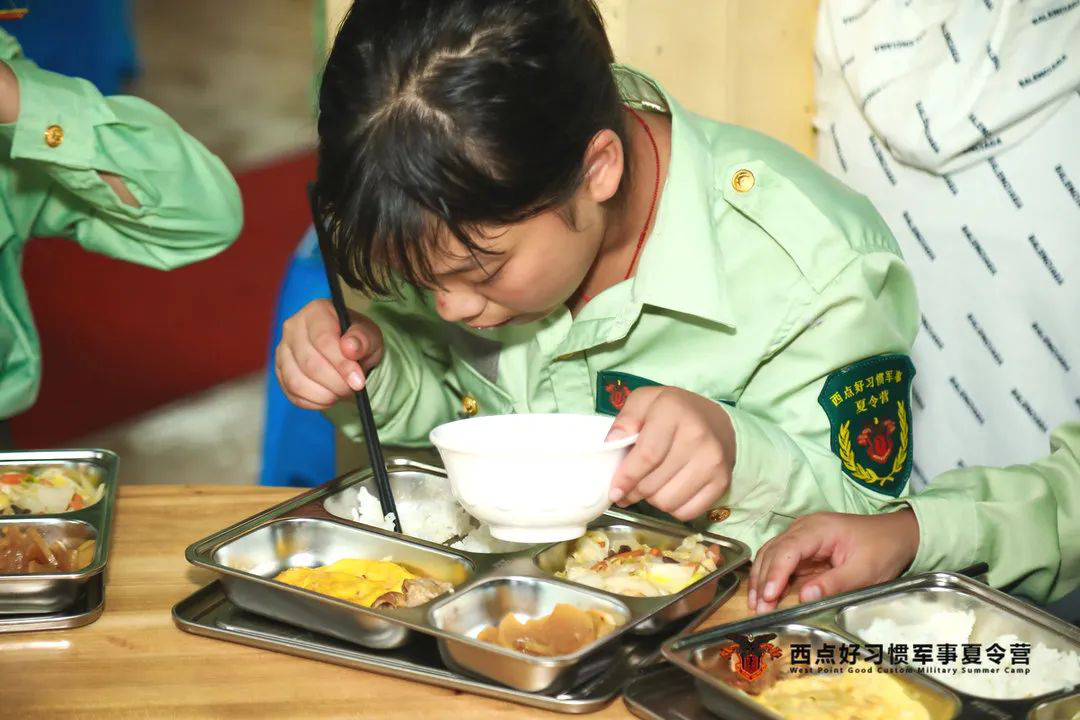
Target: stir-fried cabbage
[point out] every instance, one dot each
(49, 490)
(624, 566)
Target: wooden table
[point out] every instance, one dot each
(134, 663)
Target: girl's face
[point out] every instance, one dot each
(538, 263)
(536, 266)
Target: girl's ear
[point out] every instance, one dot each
(603, 166)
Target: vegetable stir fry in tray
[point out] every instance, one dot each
(49, 490)
(626, 567)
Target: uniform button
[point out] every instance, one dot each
(719, 514)
(743, 180)
(469, 405)
(54, 135)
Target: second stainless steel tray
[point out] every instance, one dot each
(57, 592)
(210, 613)
(87, 607)
(664, 692)
(844, 620)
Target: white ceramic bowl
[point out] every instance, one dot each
(532, 477)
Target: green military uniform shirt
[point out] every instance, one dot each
(762, 277)
(66, 132)
(1022, 521)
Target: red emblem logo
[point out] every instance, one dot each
(750, 652)
(617, 394)
(876, 437)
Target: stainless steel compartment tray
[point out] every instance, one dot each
(247, 582)
(837, 615)
(938, 703)
(87, 607)
(209, 612)
(53, 593)
(664, 692)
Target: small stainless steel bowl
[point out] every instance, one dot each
(462, 617)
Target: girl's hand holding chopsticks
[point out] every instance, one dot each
(316, 365)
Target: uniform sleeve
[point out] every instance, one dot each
(1022, 521)
(410, 389)
(784, 464)
(189, 204)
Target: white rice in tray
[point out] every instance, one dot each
(940, 626)
(429, 512)
(480, 540)
(1050, 670)
(1047, 670)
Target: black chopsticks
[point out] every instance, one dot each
(363, 402)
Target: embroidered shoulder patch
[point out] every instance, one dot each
(869, 408)
(613, 388)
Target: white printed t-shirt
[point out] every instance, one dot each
(960, 120)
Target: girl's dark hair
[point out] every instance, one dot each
(445, 115)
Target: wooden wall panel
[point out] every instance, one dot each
(748, 62)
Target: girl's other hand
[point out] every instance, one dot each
(682, 460)
(828, 553)
(316, 365)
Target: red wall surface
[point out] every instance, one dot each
(119, 339)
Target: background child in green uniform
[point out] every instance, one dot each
(1022, 521)
(547, 232)
(115, 174)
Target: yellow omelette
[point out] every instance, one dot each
(871, 696)
(353, 579)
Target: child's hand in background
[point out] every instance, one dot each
(315, 364)
(682, 461)
(829, 553)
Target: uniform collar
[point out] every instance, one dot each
(681, 267)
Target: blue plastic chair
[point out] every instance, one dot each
(298, 444)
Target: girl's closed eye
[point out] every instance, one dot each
(489, 277)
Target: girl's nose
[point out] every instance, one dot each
(455, 305)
